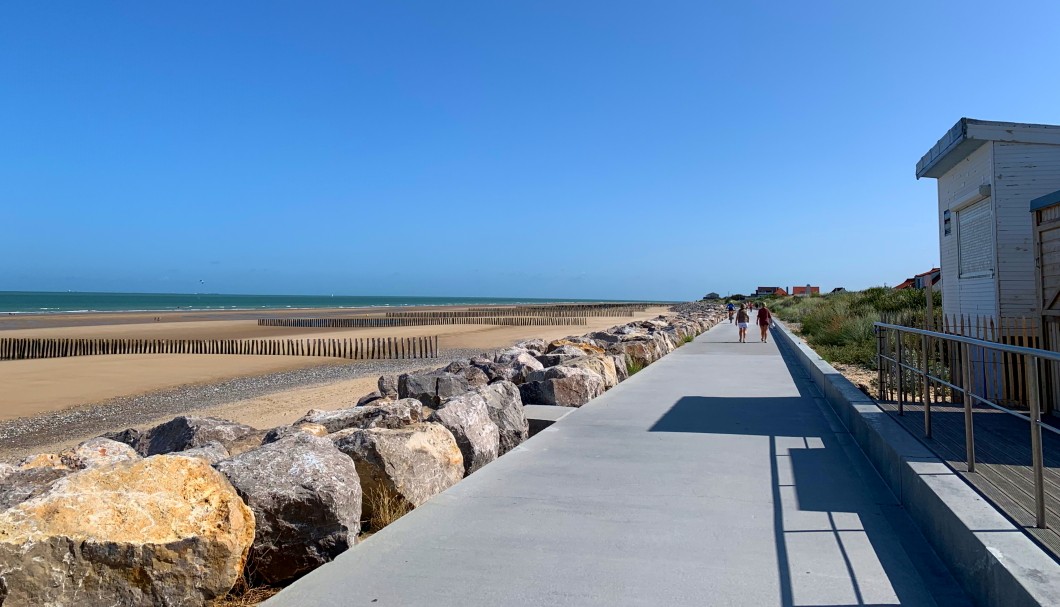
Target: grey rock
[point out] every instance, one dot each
(621, 368)
(534, 346)
(281, 432)
(369, 399)
(381, 414)
(554, 360)
(467, 417)
(431, 388)
(475, 377)
(21, 485)
(507, 355)
(563, 386)
(98, 451)
(213, 452)
(505, 406)
(187, 432)
(388, 386)
(455, 367)
(306, 498)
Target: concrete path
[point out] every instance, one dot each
(713, 477)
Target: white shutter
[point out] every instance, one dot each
(975, 240)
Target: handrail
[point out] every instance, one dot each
(966, 386)
(1046, 354)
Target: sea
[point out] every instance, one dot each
(67, 302)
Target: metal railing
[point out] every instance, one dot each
(943, 366)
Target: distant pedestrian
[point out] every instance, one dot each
(742, 318)
(765, 319)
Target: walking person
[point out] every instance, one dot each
(742, 318)
(765, 319)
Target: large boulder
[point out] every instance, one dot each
(306, 499)
(641, 352)
(562, 386)
(407, 465)
(98, 451)
(159, 531)
(188, 432)
(467, 417)
(382, 414)
(505, 406)
(431, 388)
(602, 365)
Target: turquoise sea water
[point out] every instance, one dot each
(44, 302)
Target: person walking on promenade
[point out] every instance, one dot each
(765, 319)
(732, 309)
(742, 318)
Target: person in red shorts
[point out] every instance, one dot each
(765, 318)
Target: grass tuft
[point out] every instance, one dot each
(632, 366)
(386, 507)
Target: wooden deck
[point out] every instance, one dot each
(1002, 460)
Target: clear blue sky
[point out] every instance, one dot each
(611, 149)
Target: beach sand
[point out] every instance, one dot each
(32, 388)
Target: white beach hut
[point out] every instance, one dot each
(988, 172)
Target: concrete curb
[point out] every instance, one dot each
(995, 562)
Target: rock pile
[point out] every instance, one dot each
(174, 515)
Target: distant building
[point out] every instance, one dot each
(712, 295)
(932, 278)
(763, 291)
(838, 290)
(804, 291)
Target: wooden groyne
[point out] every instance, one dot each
(374, 322)
(367, 348)
(510, 313)
(619, 309)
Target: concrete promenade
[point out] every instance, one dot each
(715, 476)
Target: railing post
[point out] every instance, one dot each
(969, 425)
(901, 375)
(1036, 443)
(880, 336)
(924, 388)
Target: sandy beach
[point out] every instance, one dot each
(45, 392)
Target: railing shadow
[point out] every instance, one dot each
(840, 535)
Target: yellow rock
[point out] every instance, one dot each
(163, 530)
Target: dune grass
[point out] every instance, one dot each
(839, 326)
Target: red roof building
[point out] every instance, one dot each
(807, 290)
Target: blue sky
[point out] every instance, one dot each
(553, 149)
